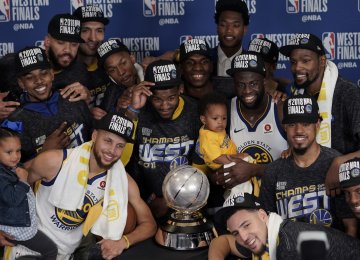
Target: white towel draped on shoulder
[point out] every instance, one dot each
(70, 186)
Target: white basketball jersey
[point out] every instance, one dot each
(265, 140)
(62, 226)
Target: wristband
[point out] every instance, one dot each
(137, 111)
(127, 242)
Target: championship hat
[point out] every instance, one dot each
(65, 27)
(164, 74)
(247, 62)
(232, 5)
(29, 59)
(232, 204)
(300, 109)
(108, 48)
(90, 13)
(194, 46)
(117, 124)
(267, 49)
(349, 173)
(303, 41)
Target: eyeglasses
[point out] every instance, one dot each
(252, 84)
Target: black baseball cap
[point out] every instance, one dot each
(164, 74)
(29, 59)
(267, 49)
(300, 109)
(349, 173)
(90, 13)
(234, 203)
(118, 124)
(108, 48)
(303, 41)
(247, 62)
(65, 27)
(232, 5)
(194, 46)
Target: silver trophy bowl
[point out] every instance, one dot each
(186, 190)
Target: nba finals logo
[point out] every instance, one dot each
(149, 8)
(4, 10)
(292, 6)
(257, 35)
(184, 38)
(328, 39)
(75, 4)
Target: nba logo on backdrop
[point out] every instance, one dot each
(292, 6)
(75, 4)
(149, 8)
(328, 39)
(185, 38)
(257, 35)
(4, 10)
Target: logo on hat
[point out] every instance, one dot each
(240, 199)
(329, 41)
(355, 172)
(40, 57)
(304, 41)
(292, 6)
(149, 8)
(164, 73)
(308, 108)
(4, 10)
(253, 63)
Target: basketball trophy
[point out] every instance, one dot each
(186, 190)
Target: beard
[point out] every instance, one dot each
(56, 65)
(99, 162)
(299, 151)
(307, 83)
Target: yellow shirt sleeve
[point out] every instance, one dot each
(213, 145)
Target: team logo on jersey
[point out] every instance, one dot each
(184, 38)
(268, 128)
(74, 218)
(149, 8)
(257, 35)
(75, 4)
(329, 41)
(292, 6)
(4, 10)
(321, 216)
(177, 161)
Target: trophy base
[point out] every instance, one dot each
(186, 232)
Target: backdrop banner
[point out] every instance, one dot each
(151, 27)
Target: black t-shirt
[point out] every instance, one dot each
(163, 144)
(299, 193)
